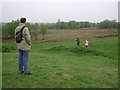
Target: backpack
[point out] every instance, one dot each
(19, 35)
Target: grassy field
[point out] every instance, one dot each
(59, 63)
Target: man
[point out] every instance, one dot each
(23, 47)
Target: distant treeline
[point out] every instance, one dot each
(106, 24)
(8, 28)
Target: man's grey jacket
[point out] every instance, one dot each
(26, 42)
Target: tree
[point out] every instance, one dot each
(9, 28)
(35, 27)
(43, 30)
(29, 26)
(107, 24)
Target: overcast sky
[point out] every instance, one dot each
(46, 11)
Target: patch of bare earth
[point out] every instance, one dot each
(65, 75)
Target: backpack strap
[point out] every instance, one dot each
(21, 30)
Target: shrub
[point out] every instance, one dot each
(8, 48)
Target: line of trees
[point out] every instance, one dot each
(8, 28)
(70, 25)
(106, 24)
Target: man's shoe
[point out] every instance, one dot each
(21, 72)
(29, 73)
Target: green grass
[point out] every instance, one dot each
(64, 65)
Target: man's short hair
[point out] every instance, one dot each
(23, 20)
